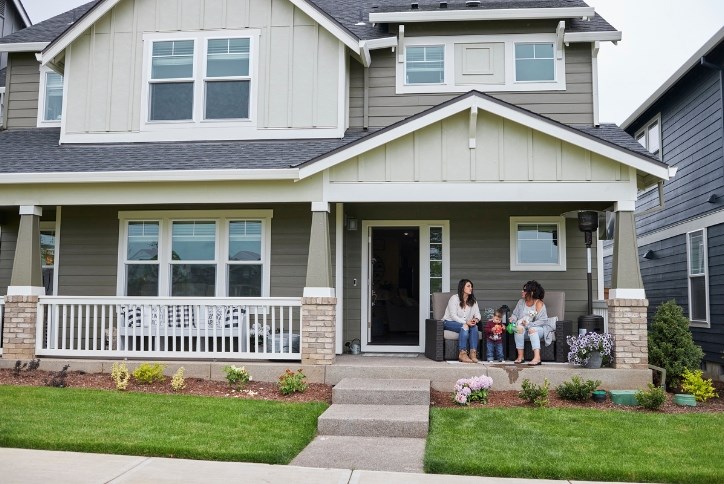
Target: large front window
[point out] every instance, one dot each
(214, 254)
(537, 243)
(698, 277)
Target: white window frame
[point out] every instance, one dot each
(42, 122)
(444, 70)
(515, 63)
(644, 130)
(165, 219)
(515, 222)
(510, 84)
(689, 276)
(200, 40)
(53, 226)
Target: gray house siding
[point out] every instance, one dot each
(10, 22)
(712, 339)
(572, 106)
(21, 96)
(8, 240)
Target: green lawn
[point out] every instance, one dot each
(155, 425)
(576, 444)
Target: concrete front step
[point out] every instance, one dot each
(368, 391)
(363, 453)
(375, 420)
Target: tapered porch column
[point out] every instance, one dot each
(319, 301)
(627, 304)
(26, 284)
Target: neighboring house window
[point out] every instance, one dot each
(425, 64)
(50, 100)
(649, 136)
(537, 244)
(210, 254)
(198, 78)
(534, 62)
(698, 277)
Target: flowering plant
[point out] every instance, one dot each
(581, 347)
(472, 389)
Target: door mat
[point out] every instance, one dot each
(393, 355)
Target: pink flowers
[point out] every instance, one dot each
(472, 389)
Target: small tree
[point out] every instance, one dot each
(671, 345)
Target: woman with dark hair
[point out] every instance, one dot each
(461, 316)
(532, 321)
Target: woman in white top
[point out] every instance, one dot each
(462, 315)
(532, 321)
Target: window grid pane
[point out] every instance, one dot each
(193, 241)
(227, 100)
(172, 59)
(142, 241)
(537, 244)
(172, 101)
(696, 253)
(245, 240)
(425, 65)
(53, 97)
(227, 58)
(534, 62)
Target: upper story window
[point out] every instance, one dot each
(199, 78)
(492, 63)
(537, 244)
(425, 64)
(50, 99)
(649, 136)
(534, 62)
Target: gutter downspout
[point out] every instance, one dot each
(595, 47)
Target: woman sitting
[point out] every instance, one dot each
(462, 316)
(532, 321)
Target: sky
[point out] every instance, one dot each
(658, 37)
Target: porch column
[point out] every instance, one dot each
(26, 284)
(627, 304)
(319, 301)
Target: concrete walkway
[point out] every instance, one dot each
(21, 466)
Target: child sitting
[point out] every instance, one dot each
(494, 336)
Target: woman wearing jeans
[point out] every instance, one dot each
(462, 315)
(532, 321)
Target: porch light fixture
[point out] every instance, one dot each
(352, 224)
(649, 254)
(713, 198)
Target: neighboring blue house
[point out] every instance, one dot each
(681, 229)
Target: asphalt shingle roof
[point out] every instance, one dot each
(48, 30)
(37, 150)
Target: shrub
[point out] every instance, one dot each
(237, 376)
(652, 399)
(177, 381)
(473, 389)
(535, 394)
(290, 382)
(695, 384)
(671, 345)
(31, 365)
(57, 379)
(148, 373)
(120, 375)
(577, 389)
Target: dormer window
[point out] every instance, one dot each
(172, 80)
(534, 62)
(649, 136)
(425, 64)
(50, 99)
(227, 79)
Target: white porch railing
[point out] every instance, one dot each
(2, 316)
(182, 327)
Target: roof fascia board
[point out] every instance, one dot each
(658, 170)
(23, 14)
(24, 47)
(333, 27)
(383, 43)
(65, 39)
(602, 36)
(149, 176)
(669, 83)
(488, 14)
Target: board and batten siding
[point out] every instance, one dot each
(572, 106)
(299, 62)
(691, 119)
(506, 151)
(479, 250)
(21, 97)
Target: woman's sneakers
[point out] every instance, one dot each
(463, 357)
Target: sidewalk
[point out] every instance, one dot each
(41, 466)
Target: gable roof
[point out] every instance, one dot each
(692, 62)
(22, 13)
(47, 30)
(608, 141)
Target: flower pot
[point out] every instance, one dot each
(599, 396)
(594, 360)
(684, 399)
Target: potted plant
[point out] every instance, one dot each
(591, 350)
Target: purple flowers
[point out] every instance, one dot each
(583, 346)
(472, 389)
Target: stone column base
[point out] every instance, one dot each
(19, 327)
(318, 330)
(627, 323)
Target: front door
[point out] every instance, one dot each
(403, 262)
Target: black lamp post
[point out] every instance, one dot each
(588, 223)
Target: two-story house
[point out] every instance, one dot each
(681, 229)
(13, 17)
(222, 169)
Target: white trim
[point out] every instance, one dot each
(24, 47)
(559, 221)
(669, 83)
(23, 14)
(603, 36)
(383, 43)
(509, 84)
(651, 167)
(318, 292)
(339, 277)
(484, 14)
(333, 27)
(25, 291)
(595, 48)
(645, 131)
(55, 228)
(620, 293)
(148, 176)
(31, 210)
(698, 323)
(320, 207)
(42, 99)
(624, 206)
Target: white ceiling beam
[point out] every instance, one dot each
(443, 15)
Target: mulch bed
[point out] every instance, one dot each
(318, 392)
